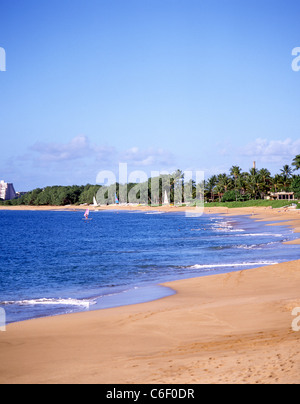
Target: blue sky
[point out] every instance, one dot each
(159, 84)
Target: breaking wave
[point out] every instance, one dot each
(233, 265)
(53, 302)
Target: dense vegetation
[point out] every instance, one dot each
(57, 196)
(255, 184)
(235, 189)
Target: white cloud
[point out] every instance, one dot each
(148, 157)
(273, 151)
(78, 148)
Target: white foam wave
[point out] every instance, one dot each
(234, 265)
(248, 247)
(262, 235)
(52, 302)
(154, 213)
(254, 246)
(226, 226)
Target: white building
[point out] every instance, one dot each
(7, 191)
(290, 196)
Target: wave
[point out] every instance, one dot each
(254, 246)
(53, 302)
(262, 235)
(226, 226)
(85, 303)
(154, 213)
(249, 247)
(233, 265)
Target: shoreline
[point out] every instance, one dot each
(209, 331)
(144, 292)
(242, 336)
(289, 217)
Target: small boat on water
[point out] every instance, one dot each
(95, 203)
(166, 199)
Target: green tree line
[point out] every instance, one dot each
(253, 185)
(235, 186)
(57, 196)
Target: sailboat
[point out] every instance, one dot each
(166, 199)
(95, 202)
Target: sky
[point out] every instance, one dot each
(157, 84)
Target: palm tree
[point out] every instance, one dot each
(253, 171)
(219, 190)
(278, 183)
(287, 171)
(242, 183)
(265, 174)
(225, 181)
(254, 183)
(286, 174)
(296, 162)
(210, 185)
(235, 172)
(265, 177)
(251, 186)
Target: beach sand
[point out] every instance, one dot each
(230, 328)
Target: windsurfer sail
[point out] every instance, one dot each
(87, 213)
(116, 200)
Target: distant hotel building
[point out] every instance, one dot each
(7, 191)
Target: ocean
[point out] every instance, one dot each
(54, 263)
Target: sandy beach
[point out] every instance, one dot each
(231, 328)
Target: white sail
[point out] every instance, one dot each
(166, 199)
(95, 202)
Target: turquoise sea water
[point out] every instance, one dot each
(55, 262)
